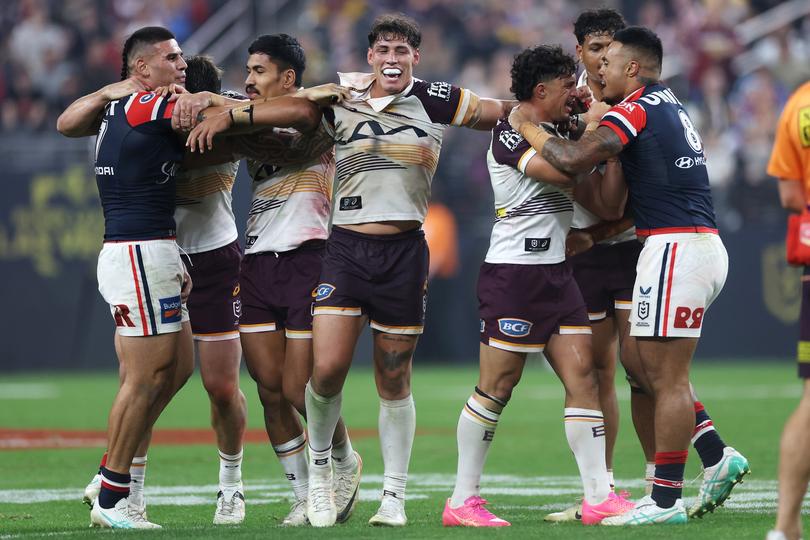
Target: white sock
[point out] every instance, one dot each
(585, 431)
(475, 431)
(397, 425)
(322, 418)
(230, 472)
(611, 481)
(649, 477)
(293, 459)
(343, 456)
(137, 472)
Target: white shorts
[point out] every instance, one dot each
(678, 276)
(141, 280)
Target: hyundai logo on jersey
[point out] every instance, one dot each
(170, 310)
(323, 291)
(514, 327)
(684, 162)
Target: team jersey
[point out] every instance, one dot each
(204, 214)
(532, 218)
(790, 158)
(583, 218)
(292, 193)
(388, 147)
(137, 157)
(663, 163)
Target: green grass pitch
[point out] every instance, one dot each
(530, 470)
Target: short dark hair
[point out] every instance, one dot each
(392, 25)
(539, 64)
(202, 74)
(642, 40)
(148, 35)
(598, 21)
(284, 50)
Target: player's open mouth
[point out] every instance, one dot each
(251, 92)
(392, 74)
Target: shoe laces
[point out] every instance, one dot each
(298, 506)
(227, 505)
(320, 497)
(390, 507)
(136, 514)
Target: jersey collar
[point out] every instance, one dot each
(361, 83)
(635, 94)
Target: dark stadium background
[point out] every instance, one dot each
(734, 61)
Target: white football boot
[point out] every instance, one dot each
(347, 488)
(321, 509)
(390, 514)
(230, 508)
(119, 517)
(297, 516)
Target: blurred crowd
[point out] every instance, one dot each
(55, 50)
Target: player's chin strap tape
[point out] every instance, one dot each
(483, 394)
(242, 116)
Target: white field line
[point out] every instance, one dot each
(753, 496)
(28, 391)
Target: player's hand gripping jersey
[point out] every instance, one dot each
(388, 147)
(136, 159)
(532, 218)
(663, 163)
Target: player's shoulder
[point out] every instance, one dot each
(434, 90)
(145, 107)
(508, 146)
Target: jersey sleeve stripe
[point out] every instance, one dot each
(624, 121)
(525, 158)
(461, 109)
(156, 108)
(619, 131)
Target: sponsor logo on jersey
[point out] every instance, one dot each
(351, 203)
(379, 131)
(146, 98)
(121, 316)
(440, 90)
(236, 290)
(483, 325)
(514, 327)
(643, 310)
(105, 171)
(686, 162)
(510, 139)
(804, 126)
(323, 291)
(659, 96)
(171, 309)
(536, 244)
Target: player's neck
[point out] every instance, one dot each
(596, 87)
(537, 114)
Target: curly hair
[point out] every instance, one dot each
(148, 35)
(598, 21)
(539, 64)
(395, 25)
(284, 50)
(202, 74)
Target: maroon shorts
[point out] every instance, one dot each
(605, 275)
(214, 304)
(383, 277)
(522, 305)
(277, 290)
(804, 327)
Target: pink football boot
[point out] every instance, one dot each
(471, 514)
(614, 505)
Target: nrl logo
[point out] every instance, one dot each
(643, 310)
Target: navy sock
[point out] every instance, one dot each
(705, 438)
(114, 487)
(668, 483)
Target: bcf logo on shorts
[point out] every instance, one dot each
(514, 327)
(323, 291)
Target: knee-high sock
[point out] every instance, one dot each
(397, 425)
(585, 431)
(322, 417)
(705, 438)
(293, 459)
(474, 434)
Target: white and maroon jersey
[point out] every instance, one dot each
(388, 147)
(292, 192)
(532, 218)
(204, 214)
(584, 218)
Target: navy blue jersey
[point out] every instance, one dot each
(137, 156)
(663, 163)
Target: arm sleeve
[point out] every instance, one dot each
(510, 148)
(445, 103)
(785, 160)
(626, 119)
(146, 109)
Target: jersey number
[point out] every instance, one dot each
(689, 131)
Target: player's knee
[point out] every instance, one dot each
(294, 393)
(222, 392)
(394, 387)
(494, 399)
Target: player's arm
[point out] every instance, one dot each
(83, 117)
(541, 170)
(604, 194)
(581, 240)
(188, 107)
(488, 111)
(791, 195)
